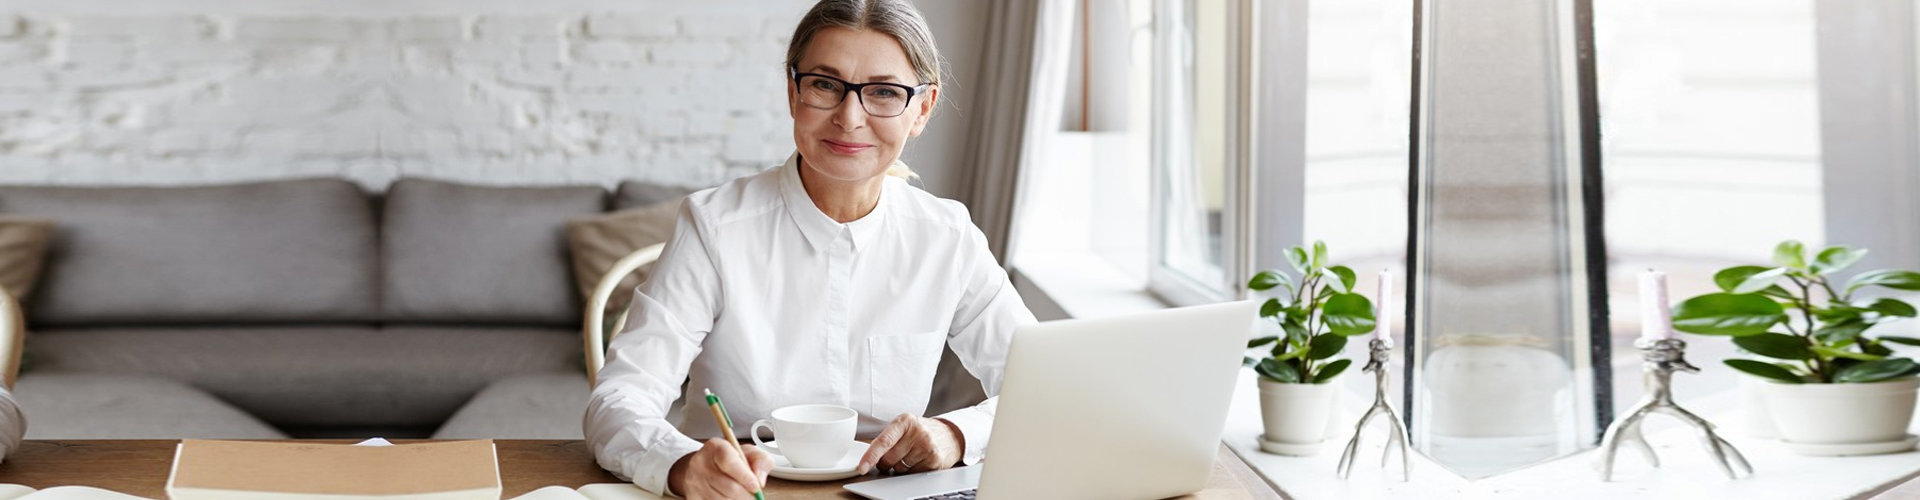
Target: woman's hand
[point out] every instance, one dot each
(914, 444)
(716, 472)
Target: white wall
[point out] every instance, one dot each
(491, 91)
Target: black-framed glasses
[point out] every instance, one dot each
(881, 99)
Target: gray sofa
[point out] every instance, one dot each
(307, 308)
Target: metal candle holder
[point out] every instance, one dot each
(1396, 434)
(1662, 357)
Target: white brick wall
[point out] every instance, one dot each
(651, 90)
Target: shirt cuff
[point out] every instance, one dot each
(649, 470)
(976, 426)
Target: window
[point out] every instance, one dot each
(1198, 95)
(1712, 151)
(1254, 125)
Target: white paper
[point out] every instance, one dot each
(552, 493)
(78, 493)
(12, 491)
(616, 491)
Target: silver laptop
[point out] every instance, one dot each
(1128, 407)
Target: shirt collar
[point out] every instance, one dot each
(819, 229)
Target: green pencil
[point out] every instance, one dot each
(726, 430)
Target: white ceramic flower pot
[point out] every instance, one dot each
(1754, 418)
(1295, 416)
(1843, 419)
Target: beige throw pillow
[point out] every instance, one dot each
(599, 241)
(23, 248)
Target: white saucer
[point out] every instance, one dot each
(845, 469)
(1289, 449)
(1850, 449)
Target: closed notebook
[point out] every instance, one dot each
(264, 470)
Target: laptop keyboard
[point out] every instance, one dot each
(958, 495)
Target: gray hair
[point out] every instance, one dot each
(895, 18)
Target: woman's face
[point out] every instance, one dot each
(845, 142)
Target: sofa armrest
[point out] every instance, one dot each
(13, 337)
(594, 331)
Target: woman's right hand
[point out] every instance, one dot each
(716, 472)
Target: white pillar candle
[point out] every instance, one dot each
(1656, 316)
(1383, 325)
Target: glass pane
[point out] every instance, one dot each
(1195, 152)
(1702, 109)
(1359, 69)
(1502, 375)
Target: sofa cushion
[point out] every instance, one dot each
(23, 250)
(532, 406)
(319, 376)
(466, 254)
(632, 194)
(600, 241)
(283, 251)
(107, 406)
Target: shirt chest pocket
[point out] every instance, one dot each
(901, 369)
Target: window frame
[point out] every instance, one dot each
(1174, 37)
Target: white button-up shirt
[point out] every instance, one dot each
(765, 300)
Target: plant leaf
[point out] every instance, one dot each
(1249, 361)
(1874, 347)
(1727, 314)
(1747, 279)
(1838, 312)
(1901, 340)
(1778, 293)
(1262, 341)
(1765, 370)
(1326, 346)
(1874, 371)
(1265, 280)
(1271, 308)
(1278, 372)
(1775, 345)
(1348, 314)
(1833, 333)
(1790, 254)
(1836, 353)
(1343, 278)
(1319, 254)
(1893, 307)
(1331, 370)
(1890, 278)
(1297, 257)
(1296, 331)
(1835, 258)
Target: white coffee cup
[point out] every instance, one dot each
(810, 436)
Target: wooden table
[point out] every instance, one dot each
(139, 467)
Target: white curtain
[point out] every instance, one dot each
(1022, 84)
(1022, 87)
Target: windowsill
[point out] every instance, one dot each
(1078, 285)
(1081, 286)
(1687, 470)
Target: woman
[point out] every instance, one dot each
(823, 280)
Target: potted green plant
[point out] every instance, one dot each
(1833, 386)
(1315, 310)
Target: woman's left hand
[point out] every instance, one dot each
(914, 444)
